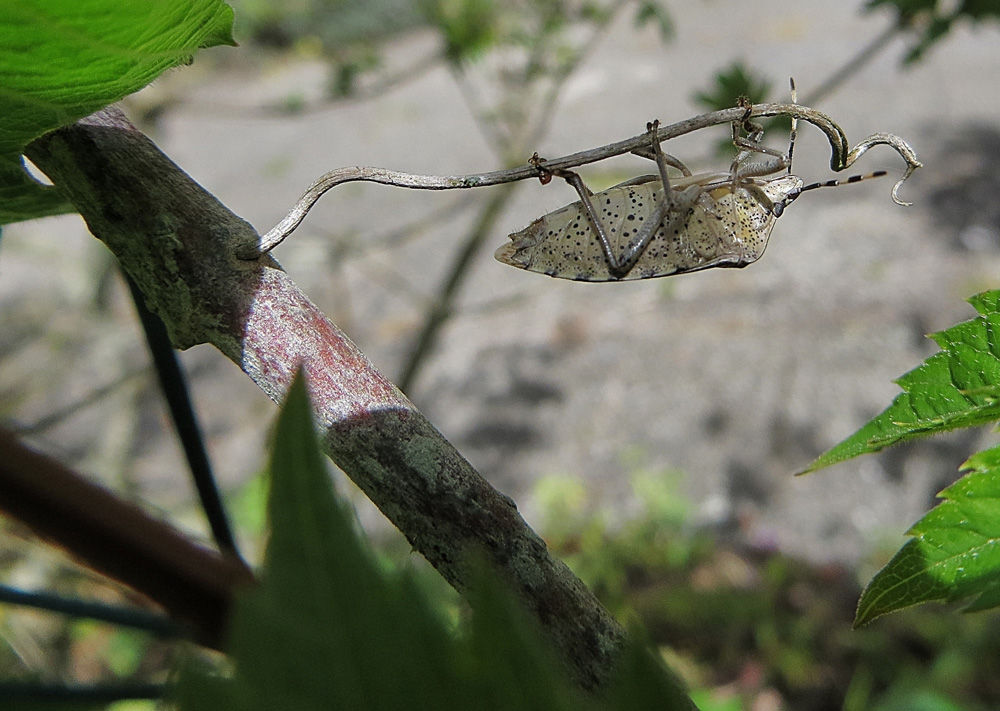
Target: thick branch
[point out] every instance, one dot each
(192, 583)
(178, 243)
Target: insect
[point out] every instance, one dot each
(652, 226)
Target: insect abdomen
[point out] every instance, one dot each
(564, 244)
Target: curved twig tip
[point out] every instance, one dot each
(895, 188)
(896, 143)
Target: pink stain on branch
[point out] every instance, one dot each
(283, 330)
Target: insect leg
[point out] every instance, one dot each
(751, 145)
(743, 166)
(668, 159)
(585, 194)
(640, 180)
(620, 267)
(671, 203)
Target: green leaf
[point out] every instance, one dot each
(731, 83)
(64, 59)
(956, 387)
(326, 628)
(652, 12)
(905, 9)
(954, 553)
(468, 27)
(642, 681)
(517, 670)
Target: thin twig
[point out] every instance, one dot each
(57, 417)
(547, 103)
(194, 584)
(288, 108)
(493, 133)
(508, 144)
(842, 157)
(132, 617)
(867, 53)
(177, 395)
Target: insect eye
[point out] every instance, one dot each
(778, 208)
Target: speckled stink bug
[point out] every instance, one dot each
(640, 230)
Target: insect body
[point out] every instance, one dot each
(710, 224)
(654, 226)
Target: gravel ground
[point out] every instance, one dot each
(736, 378)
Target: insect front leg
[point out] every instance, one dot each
(750, 146)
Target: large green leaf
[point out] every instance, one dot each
(61, 60)
(956, 387)
(955, 550)
(327, 628)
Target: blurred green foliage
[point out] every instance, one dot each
(329, 23)
(468, 28)
(932, 20)
(729, 84)
(748, 620)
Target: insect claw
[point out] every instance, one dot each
(544, 175)
(749, 126)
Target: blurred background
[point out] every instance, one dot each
(670, 407)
